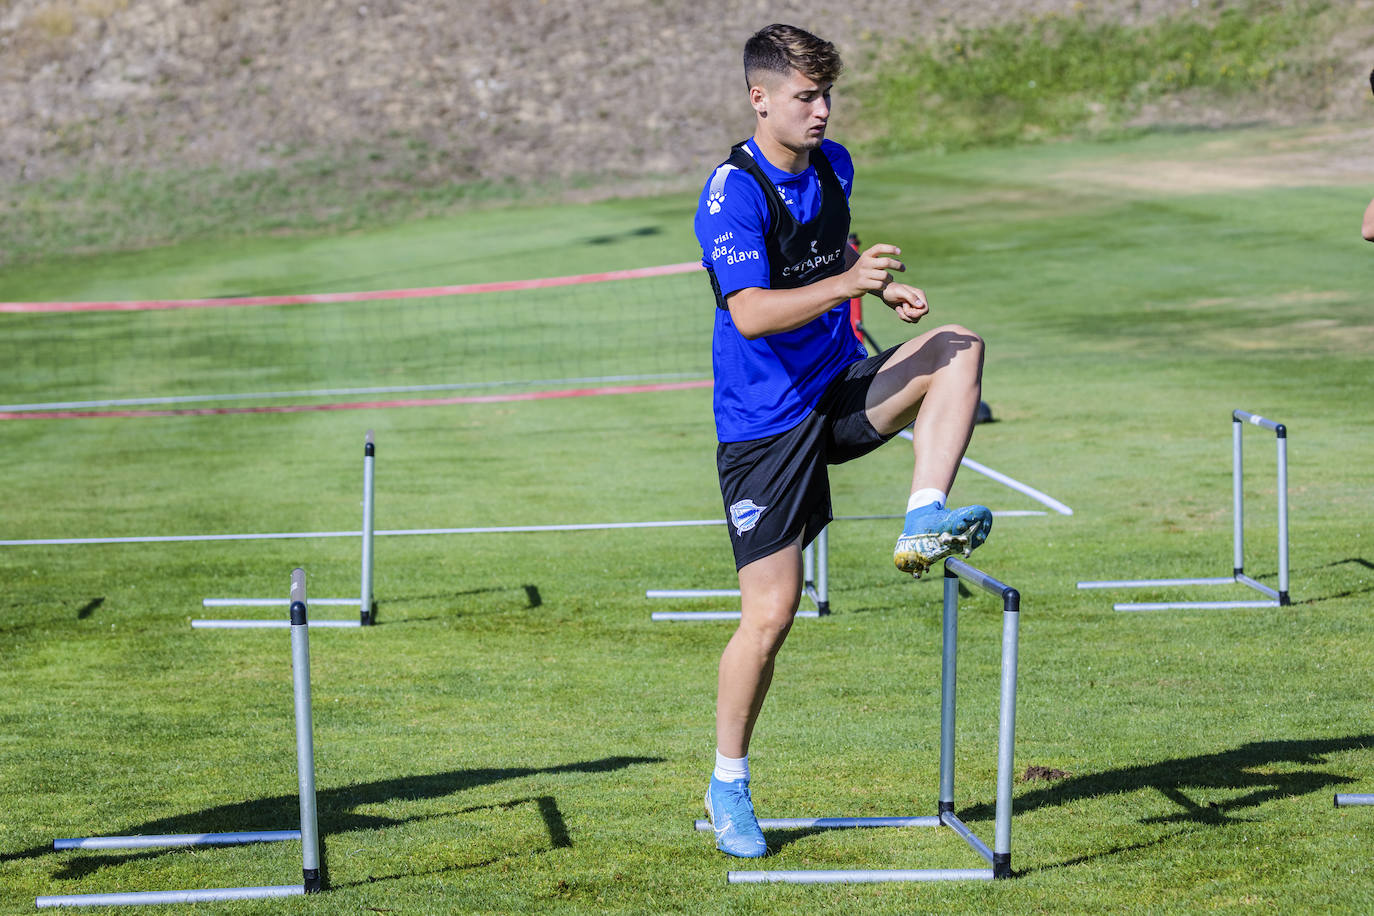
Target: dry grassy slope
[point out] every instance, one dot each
(494, 88)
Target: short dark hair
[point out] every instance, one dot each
(779, 48)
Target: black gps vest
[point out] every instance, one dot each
(799, 254)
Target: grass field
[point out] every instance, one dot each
(517, 736)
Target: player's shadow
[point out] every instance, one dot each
(1185, 781)
(338, 811)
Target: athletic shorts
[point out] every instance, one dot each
(777, 488)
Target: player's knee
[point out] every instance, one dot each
(960, 337)
(962, 347)
(767, 627)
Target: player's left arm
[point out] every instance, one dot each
(906, 300)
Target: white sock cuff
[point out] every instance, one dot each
(729, 769)
(925, 497)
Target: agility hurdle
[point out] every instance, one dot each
(366, 605)
(999, 856)
(308, 833)
(1275, 598)
(815, 586)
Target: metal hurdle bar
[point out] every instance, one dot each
(815, 586)
(308, 833)
(366, 604)
(1275, 597)
(999, 856)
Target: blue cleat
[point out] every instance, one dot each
(933, 532)
(731, 812)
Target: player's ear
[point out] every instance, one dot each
(758, 98)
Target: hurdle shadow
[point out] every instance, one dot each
(548, 809)
(1349, 593)
(337, 810)
(1186, 780)
(532, 596)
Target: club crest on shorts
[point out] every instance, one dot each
(744, 515)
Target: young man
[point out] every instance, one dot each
(1367, 229)
(795, 389)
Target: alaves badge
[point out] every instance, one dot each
(744, 515)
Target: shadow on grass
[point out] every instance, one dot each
(338, 810)
(1355, 561)
(1242, 768)
(1187, 780)
(533, 599)
(548, 810)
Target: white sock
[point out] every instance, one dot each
(729, 769)
(926, 497)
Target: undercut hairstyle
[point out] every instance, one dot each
(782, 48)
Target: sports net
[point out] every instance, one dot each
(632, 326)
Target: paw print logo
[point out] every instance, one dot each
(714, 201)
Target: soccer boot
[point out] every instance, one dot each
(933, 532)
(731, 813)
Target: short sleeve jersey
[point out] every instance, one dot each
(767, 385)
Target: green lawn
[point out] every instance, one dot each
(517, 736)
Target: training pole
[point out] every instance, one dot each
(998, 856)
(305, 778)
(305, 733)
(1273, 597)
(365, 603)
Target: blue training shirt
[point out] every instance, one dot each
(767, 386)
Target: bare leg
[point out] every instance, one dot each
(936, 380)
(770, 591)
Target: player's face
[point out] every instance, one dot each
(795, 109)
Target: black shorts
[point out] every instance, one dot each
(777, 488)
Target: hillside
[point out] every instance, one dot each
(391, 96)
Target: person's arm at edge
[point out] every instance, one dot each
(1368, 229)
(758, 312)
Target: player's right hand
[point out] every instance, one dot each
(870, 273)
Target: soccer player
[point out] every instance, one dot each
(794, 388)
(1367, 230)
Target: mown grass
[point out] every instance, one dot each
(517, 736)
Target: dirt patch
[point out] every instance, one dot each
(1037, 773)
(1331, 155)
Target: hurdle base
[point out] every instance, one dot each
(218, 624)
(1353, 798)
(1000, 862)
(822, 607)
(140, 898)
(277, 602)
(170, 840)
(1274, 598)
(717, 615)
(1187, 605)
